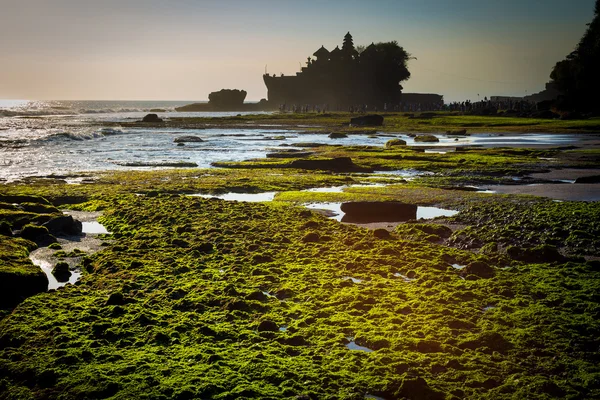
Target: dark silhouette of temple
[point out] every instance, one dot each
(345, 77)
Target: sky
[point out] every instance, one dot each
(184, 49)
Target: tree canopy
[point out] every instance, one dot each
(578, 76)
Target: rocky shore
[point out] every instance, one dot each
(201, 297)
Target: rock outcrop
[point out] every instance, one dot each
(367, 120)
(153, 118)
(378, 211)
(227, 98)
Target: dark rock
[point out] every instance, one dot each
(479, 269)
(64, 225)
(23, 199)
(457, 132)
(367, 120)
(188, 139)
(588, 179)
(426, 139)
(39, 208)
(32, 232)
(152, 118)
(61, 272)
(257, 296)
(339, 164)
(5, 228)
(289, 154)
(268, 326)
(311, 238)
(381, 233)
(115, 299)
(395, 142)
(539, 254)
(492, 340)
(418, 389)
(337, 135)
(378, 211)
(429, 346)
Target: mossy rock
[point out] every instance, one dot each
(426, 139)
(32, 231)
(395, 143)
(19, 277)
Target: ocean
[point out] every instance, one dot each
(60, 138)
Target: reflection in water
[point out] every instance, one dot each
(247, 197)
(93, 227)
(353, 346)
(47, 268)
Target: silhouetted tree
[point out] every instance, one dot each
(578, 76)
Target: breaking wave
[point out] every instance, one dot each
(82, 135)
(70, 111)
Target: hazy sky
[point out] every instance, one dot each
(184, 49)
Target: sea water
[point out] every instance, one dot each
(54, 138)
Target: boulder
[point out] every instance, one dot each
(381, 233)
(337, 135)
(311, 237)
(367, 120)
(268, 326)
(539, 254)
(152, 118)
(479, 269)
(32, 232)
(188, 139)
(61, 272)
(378, 211)
(457, 132)
(426, 139)
(395, 142)
(338, 164)
(588, 179)
(63, 225)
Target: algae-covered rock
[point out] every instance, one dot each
(19, 277)
(395, 143)
(381, 233)
(64, 225)
(539, 254)
(337, 135)
(337, 164)
(479, 269)
(188, 139)
(5, 228)
(367, 120)
(426, 139)
(311, 237)
(32, 231)
(152, 118)
(268, 326)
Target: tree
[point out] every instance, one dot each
(578, 75)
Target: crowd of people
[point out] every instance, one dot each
(464, 106)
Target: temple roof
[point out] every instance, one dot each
(321, 53)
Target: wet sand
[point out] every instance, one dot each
(566, 173)
(557, 191)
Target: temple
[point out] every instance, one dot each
(345, 77)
